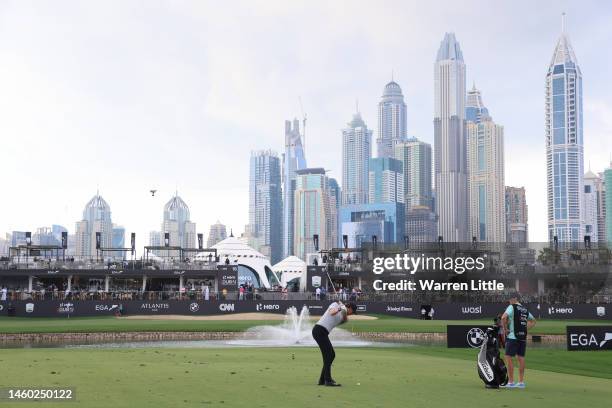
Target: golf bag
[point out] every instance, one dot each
(491, 367)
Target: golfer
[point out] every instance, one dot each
(337, 313)
(516, 320)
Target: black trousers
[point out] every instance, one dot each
(321, 336)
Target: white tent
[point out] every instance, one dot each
(290, 268)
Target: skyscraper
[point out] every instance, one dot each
(293, 159)
(517, 226)
(177, 222)
(356, 153)
(449, 141)
(415, 156)
(216, 234)
(600, 191)
(608, 186)
(265, 204)
(485, 158)
(391, 120)
(591, 180)
(315, 212)
(564, 144)
(96, 218)
(386, 181)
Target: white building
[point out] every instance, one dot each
(449, 141)
(564, 145)
(486, 187)
(392, 127)
(356, 153)
(96, 218)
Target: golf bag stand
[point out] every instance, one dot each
(491, 367)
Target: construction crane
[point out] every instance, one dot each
(303, 124)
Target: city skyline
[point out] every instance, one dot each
(175, 149)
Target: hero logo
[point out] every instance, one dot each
(589, 340)
(560, 310)
(105, 308)
(261, 307)
(194, 307)
(471, 310)
(226, 307)
(475, 337)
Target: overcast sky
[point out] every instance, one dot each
(126, 96)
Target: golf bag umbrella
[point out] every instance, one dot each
(491, 367)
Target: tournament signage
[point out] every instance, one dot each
(316, 278)
(589, 338)
(227, 277)
(462, 336)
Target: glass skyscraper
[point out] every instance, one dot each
(564, 144)
(293, 159)
(386, 181)
(265, 204)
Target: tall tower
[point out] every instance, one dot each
(315, 212)
(517, 219)
(386, 181)
(177, 223)
(293, 159)
(415, 156)
(591, 205)
(485, 157)
(564, 144)
(356, 153)
(449, 141)
(96, 218)
(265, 204)
(391, 120)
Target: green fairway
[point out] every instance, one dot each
(392, 377)
(112, 324)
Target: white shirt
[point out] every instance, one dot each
(330, 321)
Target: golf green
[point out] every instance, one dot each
(429, 377)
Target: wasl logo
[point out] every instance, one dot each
(471, 310)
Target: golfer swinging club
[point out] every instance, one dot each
(337, 313)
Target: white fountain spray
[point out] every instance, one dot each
(296, 330)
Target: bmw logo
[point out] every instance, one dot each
(194, 307)
(475, 337)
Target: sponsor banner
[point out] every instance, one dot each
(227, 278)
(573, 311)
(589, 338)
(465, 311)
(448, 311)
(464, 336)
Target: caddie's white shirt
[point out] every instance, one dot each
(330, 321)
